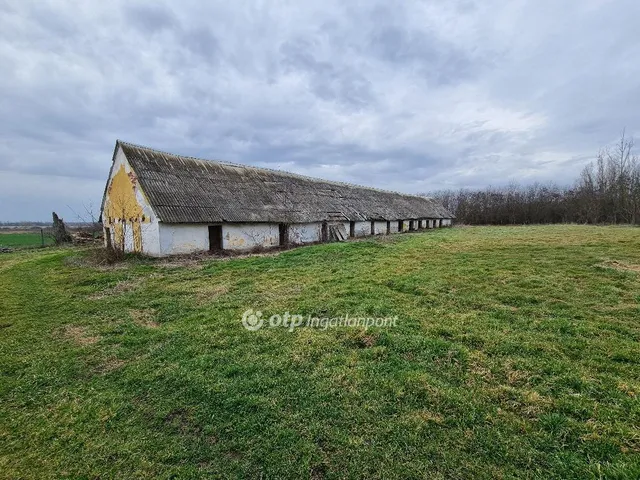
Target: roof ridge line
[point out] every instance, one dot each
(275, 170)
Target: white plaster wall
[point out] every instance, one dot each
(150, 237)
(244, 236)
(380, 228)
(362, 229)
(178, 238)
(446, 222)
(306, 232)
(394, 226)
(150, 231)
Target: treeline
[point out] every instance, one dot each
(607, 191)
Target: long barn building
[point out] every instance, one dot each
(163, 204)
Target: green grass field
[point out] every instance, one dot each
(515, 355)
(24, 240)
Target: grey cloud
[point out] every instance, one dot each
(437, 61)
(202, 42)
(326, 80)
(150, 18)
(156, 18)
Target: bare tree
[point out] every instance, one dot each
(607, 191)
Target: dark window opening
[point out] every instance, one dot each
(352, 229)
(283, 230)
(215, 238)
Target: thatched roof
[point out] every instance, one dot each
(189, 190)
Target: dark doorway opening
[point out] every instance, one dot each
(388, 227)
(283, 230)
(215, 238)
(324, 232)
(352, 229)
(373, 227)
(399, 225)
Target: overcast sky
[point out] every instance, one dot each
(411, 96)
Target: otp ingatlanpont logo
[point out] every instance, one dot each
(252, 320)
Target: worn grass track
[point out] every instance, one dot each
(516, 355)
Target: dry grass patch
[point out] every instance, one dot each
(478, 368)
(109, 365)
(207, 293)
(202, 291)
(425, 416)
(79, 335)
(144, 318)
(621, 266)
(124, 286)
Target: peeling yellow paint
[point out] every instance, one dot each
(234, 241)
(122, 209)
(137, 237)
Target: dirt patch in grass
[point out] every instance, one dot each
(181, 420)
(356, 338)
(144, 318)
(621, 266)
(79, 335)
